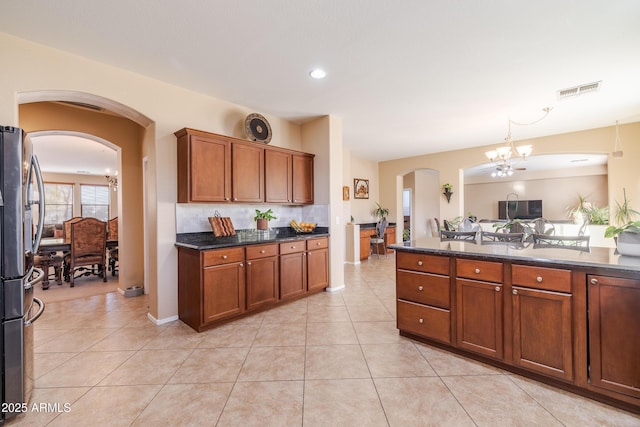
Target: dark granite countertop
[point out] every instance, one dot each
(595, 257)
(366, 225)
(206, 240)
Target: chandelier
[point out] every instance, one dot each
(507, 155)
(112, 180)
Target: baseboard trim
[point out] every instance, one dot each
(159, 322)
(334, 288)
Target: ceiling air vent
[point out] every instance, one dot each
(579, 90)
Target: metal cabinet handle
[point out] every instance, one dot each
(497, 288)
(293, 247)
(226, 198)
(539, 279)
(318, 244)
(248, 263)
(420, 288)
(263, 251)
(477, 270)
(224, 257)
(515, 292)
(235, 199)
(241, 265)
(594, 281)
(420, 263)
(421, 320)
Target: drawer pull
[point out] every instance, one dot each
(241, 265)
(421, 321)
(248, 263)
(497, 288)
(477, 270)
(420, 288)
(293, 247)
(263, 251)
(515, 291)
(420, 263)
(594, 281)
(539, 279)
(318, 244)
(224, 257)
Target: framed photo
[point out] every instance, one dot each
(345, 192)
(360, 188)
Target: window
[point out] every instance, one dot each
(58, 201)
(94, 200)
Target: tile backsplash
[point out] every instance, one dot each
(194, 218)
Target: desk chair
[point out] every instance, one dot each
(377, 241)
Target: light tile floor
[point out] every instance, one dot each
(332, 359)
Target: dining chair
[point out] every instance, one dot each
(66, 227)
(468, 236)
(565, 242)
(487, 237)
(544, 226)
(378, 240)
(112, 234)
(88, 249)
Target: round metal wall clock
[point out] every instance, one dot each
(257, 128)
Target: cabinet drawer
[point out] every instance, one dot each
(222, 256)
(292, 247)
(424, 288)
(424, 263)
(319, 243)
(262, 251)
(429, 322)
(551, 279)
(479, 270)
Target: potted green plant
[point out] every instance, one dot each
(262, 219)
(580, 212)
(627, 233)
(447, 191)
(380, 212)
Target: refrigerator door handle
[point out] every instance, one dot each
(36, 168)
(32, 283)
(38, 314)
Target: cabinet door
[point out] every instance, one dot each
(293, 274)
(390, 238)
(278, 177)
(614, 337)
(262, 282)
(479, 317)
(223, 291)
(542, 332)
(317, 269)
(302, 178)
(248, 173)
(210, 173)
(365, 243)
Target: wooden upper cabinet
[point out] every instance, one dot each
(204, 167)
(302, 178)
(215, 168)
(278, 176)
(247, 165)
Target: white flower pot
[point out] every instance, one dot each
(628, 243)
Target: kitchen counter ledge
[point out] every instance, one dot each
(206, 240)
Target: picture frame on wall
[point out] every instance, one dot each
(360, 188)
(345, 192)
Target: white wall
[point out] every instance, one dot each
(361, 208)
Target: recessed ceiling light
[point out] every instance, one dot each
(318, 73)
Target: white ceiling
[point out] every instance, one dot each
(61, 153)
(407, 78)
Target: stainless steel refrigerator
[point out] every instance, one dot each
(21, 222)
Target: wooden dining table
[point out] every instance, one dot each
(50, 246)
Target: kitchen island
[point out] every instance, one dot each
(223, 278)
(566, 317)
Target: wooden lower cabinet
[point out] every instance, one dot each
(293, 269)
(317, 269)
(426, 321)
(542, 338)
(263, 275)
(223, 291)
(614, 334)
(479, 317)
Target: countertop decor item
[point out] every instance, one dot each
(262, 219)
(627, 234)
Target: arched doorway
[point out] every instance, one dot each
(122, 127)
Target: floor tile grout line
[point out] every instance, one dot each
(535, 400)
